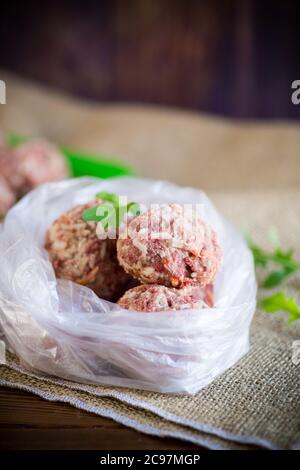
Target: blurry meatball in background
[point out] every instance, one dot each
(24, 168)
(7, 197)
(9, 170)
(158, 298)
(40, 162)
(10, 180)
(190, 252)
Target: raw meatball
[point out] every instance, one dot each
(9, 170)
(26, 167)
(7, 196)
(39, 162)
(157, 298)
(168, 245)
(77, 254)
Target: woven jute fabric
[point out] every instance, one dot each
(255, 403)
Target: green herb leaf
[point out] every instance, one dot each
(134, 208)
(110, 197)
(120, 213)
(280, 301)
(110, 214)
(275, 278)
(259, 255)
(274, 237)
(98, 213)
(284, 259)
(107, 216)
(284, 255)
(90, 214)
(286, 265)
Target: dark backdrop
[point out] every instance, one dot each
(234, 58)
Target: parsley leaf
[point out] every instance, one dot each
(109, 197)
(110, 213)
(286, 265)
(280, 301)
(93, 213)
(134, 208)
(259, 255)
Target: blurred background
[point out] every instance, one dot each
(196, 92)
(232, 57)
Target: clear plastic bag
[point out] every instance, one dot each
(64, 329)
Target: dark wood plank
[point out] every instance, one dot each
(29, 422)
(231, 57)
(84, 439)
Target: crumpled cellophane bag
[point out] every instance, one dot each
(63, 329)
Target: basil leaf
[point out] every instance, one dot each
(275, 278)
(110, 214)
(90, 214)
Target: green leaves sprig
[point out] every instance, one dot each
(284, 266)
(111, 212)
(280, 301)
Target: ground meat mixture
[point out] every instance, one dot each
(168, 246)
(77, 254)
(39, 162)
(157, 298)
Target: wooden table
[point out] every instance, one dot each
(29, 422)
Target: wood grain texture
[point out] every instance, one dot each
(232, 57)
(29, 422)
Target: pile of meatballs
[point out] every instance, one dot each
(24, 168)
(141, 270)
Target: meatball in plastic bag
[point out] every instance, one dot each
(170, 246)
(157, 298)
(77, 254)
